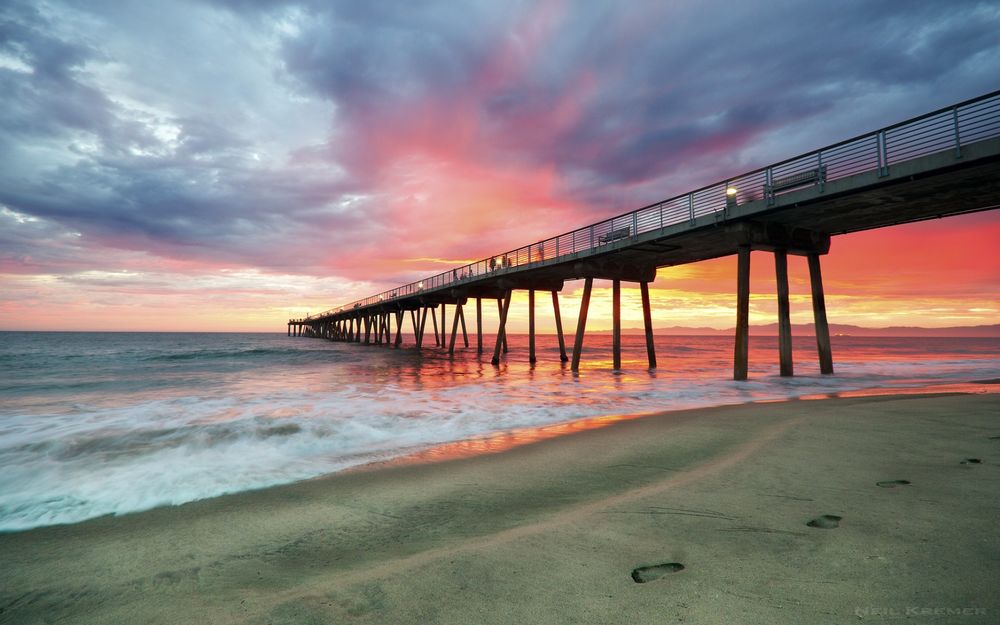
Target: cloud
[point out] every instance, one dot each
(338, 139)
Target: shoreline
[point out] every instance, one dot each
(552, 529)
(505, 440)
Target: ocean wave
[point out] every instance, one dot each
(222, 429)
(255, 352)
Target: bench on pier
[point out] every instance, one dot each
(614, 235)
(801, 179)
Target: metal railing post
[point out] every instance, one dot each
(691, 206)
(958, 138)
(883, 160)
(819, 171)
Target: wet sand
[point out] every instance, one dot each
(857, 510)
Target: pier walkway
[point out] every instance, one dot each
(943, 163)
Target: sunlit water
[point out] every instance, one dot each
(94, 424)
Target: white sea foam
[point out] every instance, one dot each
(159, 447)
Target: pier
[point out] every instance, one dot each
(943, 163)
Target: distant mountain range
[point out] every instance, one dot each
(806, 329)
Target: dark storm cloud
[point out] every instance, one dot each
(171, 130)
(685, 84)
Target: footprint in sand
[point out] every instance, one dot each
(825, 521)
(892, 483)
(971, 461)
(645, 574)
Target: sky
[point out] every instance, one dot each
(225, 165)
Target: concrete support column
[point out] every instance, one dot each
(581, 324)
(479, 325)
(502, 330)
(423, 326)
(465, 332)
(434, 320)
(742, 350)
(500, 310)
(819, 317)
(531, 326)
(784, 312)
(454, 328)
(559, 328)
(444, 326)
(647, 321)
(616, 323)
(399, 328)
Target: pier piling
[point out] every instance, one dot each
(454, 328)
(581, 324)
(444, 327)
(784, 314)
(742, 343)
(465, 332)
(479, 325)
(616, 323)
(531, 326)
(502, 330)
(647, 322)
(500, 310)
(559, 328)
(423, 326)
(819, 316)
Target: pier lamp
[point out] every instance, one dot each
(420, 285)
(730, 197)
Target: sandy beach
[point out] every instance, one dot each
(710, 509)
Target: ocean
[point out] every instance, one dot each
(93, 424)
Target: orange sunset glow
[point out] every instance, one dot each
(872, 279)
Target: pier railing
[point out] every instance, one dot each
(947, 128)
